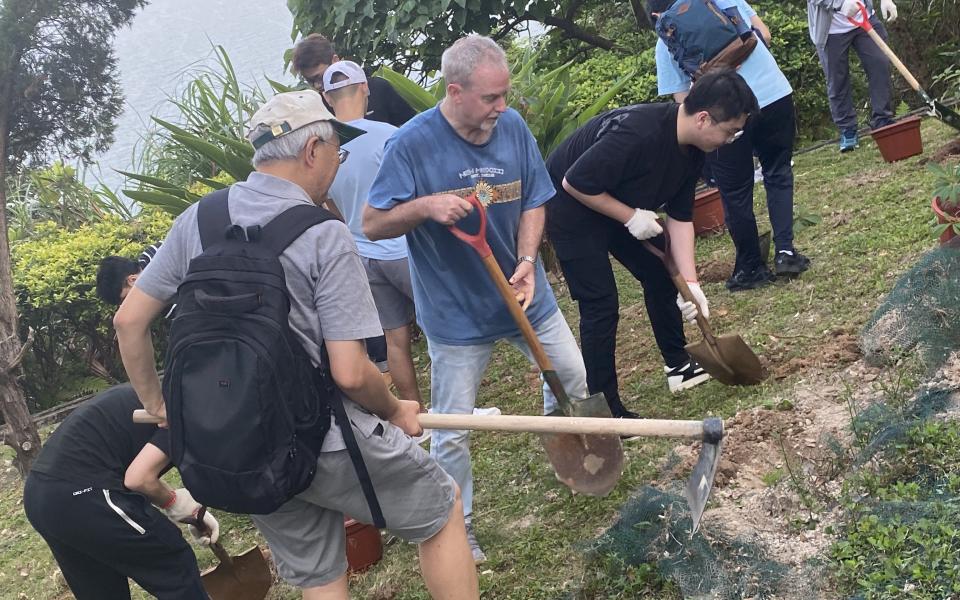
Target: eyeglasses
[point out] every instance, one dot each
(733, 136)
(343, 153)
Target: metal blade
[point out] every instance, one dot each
(701, 480)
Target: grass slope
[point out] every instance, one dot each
(873, 225)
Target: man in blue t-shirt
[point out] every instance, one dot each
(471, 143)
(385, 261)
(770, 136)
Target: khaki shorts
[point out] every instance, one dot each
(306, 535)
(392, 291)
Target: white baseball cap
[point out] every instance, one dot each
(288, 112)
(349, 68)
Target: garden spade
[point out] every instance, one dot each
(937, 109)
(589, 464)
(243, 577)
(727, 358)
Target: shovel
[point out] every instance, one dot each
(589, 464)
(243, 577)
(709, 431)
(937, 109)
(727, 358)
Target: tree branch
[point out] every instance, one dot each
(6, 369)
(575, 31)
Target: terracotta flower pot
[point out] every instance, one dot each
(900, 140)
(707, 212)
(364, 546)
(945, 215)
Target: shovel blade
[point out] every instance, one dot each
(734, 363)
(248, 578)
(947, 115)
(700, 483)
(588, 464)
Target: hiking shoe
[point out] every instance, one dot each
(478, 555)
(748, 280)
(686, 376)
(849, 140)
(790, 263)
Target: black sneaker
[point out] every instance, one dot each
(748, 280)
(790, 264)
(686, 376)
(627, 414)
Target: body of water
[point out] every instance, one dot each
(167, 37)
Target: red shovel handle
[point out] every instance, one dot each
(864, 22)
(477, 240)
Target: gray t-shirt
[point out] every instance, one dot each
(329, 294)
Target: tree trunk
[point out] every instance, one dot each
(13, 404)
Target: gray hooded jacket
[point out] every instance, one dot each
(820, 15)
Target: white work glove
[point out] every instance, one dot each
(182, 508)
(689, 309)
(889, 10)
(643, 224)
(850, 8)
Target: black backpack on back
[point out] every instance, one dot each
(247, 410)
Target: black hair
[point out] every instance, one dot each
(111, 275)
(657, 6)
(311, 51)
(723, 93)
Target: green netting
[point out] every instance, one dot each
(921, 313)
(654, 526)
(921, 316)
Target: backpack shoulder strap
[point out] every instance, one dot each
(290, 224)
(213, 217)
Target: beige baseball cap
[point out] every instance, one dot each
(288, 112)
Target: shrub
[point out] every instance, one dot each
(54, 273)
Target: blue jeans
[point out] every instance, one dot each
(456, 372)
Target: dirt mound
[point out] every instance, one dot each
(840, 348)
(714, 271)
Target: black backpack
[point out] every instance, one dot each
(247, 410)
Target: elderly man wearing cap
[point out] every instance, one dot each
(298, 153)
(471, 144)
(385, 261)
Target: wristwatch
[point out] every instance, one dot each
(530, 259)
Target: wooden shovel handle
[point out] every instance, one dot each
(574, 425)
(680, 282)
(864, 23)
(535, 424)
(478, 242)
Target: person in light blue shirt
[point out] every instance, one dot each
(770, 136)
(385, 261)
(471, 144)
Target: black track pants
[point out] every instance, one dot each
(101, 537)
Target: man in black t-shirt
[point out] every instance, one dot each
(611, 175)
(116, 274)
(81, 496)
(314, 53)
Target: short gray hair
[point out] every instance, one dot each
(289, 146)
(460, 60)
